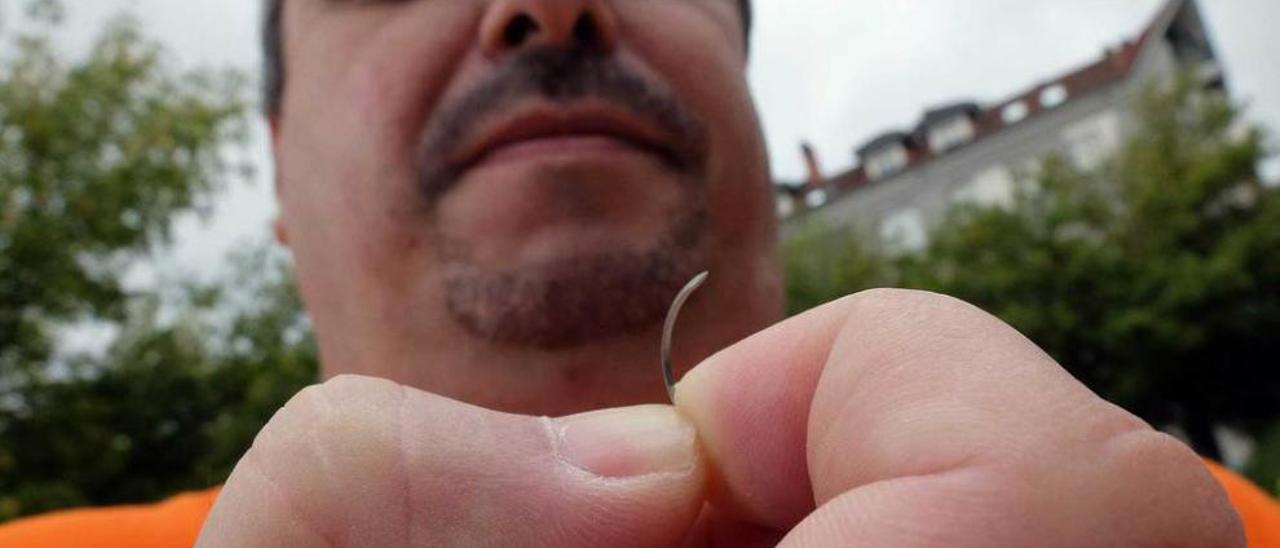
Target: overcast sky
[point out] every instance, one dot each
(834, 72)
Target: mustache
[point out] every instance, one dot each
(558, 76)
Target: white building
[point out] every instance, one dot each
(905, 181)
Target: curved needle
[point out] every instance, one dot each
(668, 376)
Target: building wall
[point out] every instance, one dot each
(984, 170)
(901, 209)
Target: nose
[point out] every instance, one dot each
(511, 26)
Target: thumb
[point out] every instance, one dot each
(364, 462)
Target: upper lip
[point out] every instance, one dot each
(542, 121)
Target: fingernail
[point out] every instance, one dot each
(627, 442)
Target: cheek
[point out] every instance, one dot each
(404, 68)
(697, 47)
(361, 80)
(358, 91)
(361, 83)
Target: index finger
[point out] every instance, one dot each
(898, 407)
(751, 404)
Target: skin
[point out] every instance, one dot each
(889, 418)
(360, 230)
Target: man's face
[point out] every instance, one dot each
(533, 173)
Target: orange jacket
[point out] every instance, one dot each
(1259, 512)
(169, 524)
(176, 522)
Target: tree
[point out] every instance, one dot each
(1153, 278)
(97, 160)
(822, 265)
(172, 405)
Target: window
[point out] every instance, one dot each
(990, 187)
(950, 134)
(815, 198)
(786, 206)
(1053, 96)
(1013, 113)
(903, 230)
(1269, 169)
(1090, 141)
(886, 161)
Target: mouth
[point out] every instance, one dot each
(546, 132)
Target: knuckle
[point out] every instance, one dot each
(300, 407)
(347, 395)
(343, 386)
(354, 403)
(1147, 451)
(941, 319)
(882, 296)
(879, 302)
(336, 404)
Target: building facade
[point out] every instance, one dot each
(905, 181)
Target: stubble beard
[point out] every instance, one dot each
(577, 299)
(586, 297)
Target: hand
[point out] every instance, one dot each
(889, 418)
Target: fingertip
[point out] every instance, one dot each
(750, 406)
(638, 469)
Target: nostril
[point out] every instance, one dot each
(585, 30)
(519, 30)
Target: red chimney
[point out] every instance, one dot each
(816, 179)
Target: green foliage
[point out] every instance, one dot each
(97, 160)
(172, 404)
(1264, 468)
(822, 264)
(1154, 278)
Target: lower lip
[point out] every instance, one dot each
(564, 147)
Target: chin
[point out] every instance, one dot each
(571, 282)
(556, 254)
(517, 213)
(568, 301)
(572, 243)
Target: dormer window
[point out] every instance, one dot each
(786, 206)
(948, 127)
(885, 155)
(950, 134)
(815, 198)
(1014, 112)
(1053, 96)
(886, 161)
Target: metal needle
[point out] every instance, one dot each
(668, 376)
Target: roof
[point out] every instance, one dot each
(885, 139)
(1115, 65)
(948, 112)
